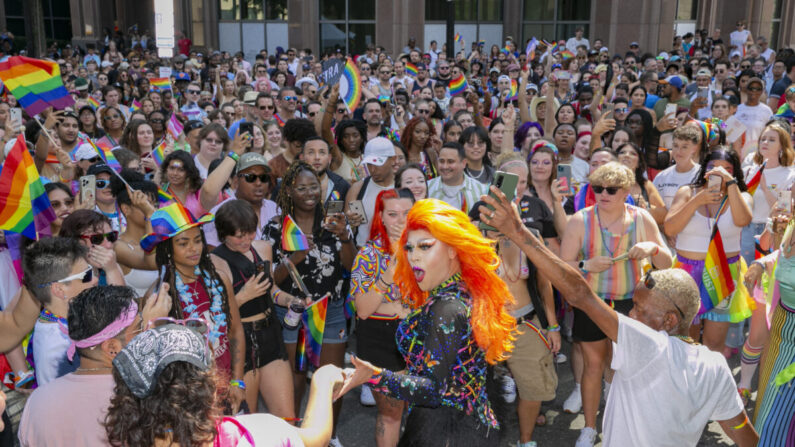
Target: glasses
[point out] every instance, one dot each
(444, 68)
(365, 68)
(93, 160)
(424, 111)
(102, 184)
(745, 67)
(98, 238)
(85, 277)
(649, 283)
(621, 109)
(612, 190)
(754, 89)
(251, 178)
(384, 72)
(194, 92)
(267, 107)
(290, 98)
(195, 324)
(304, 190)
(112, 117)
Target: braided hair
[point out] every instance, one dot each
(285, 200)
(164, 256)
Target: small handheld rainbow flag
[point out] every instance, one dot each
(174, 126)
(35, 83)
(566, 54)
(164, 197)
(411, 69)
(755, 180)
(716, 277)
(481, 42)
(159, 154)
(514, 93)
(93, 103)
(159, 84)
(458, 85)
(457, 38)
(107, 155)
(24, 206)
(293, 239)
(314, 319)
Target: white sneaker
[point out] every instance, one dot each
(573, 403)
(508, 389)
(587, 437)
(560, 358)
(366, 397)
(526, 444)
(335, 442)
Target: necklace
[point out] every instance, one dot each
(686, 339)
(188, 298)
(102, 368)
(477, 177)
(602, 231)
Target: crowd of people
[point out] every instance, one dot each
(163, 302)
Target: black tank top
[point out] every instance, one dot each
(243, 269)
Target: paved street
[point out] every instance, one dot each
(357, 423)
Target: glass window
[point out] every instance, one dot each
(332, 10)
(465, 10)
(539, 10)
(362, 10)
(361, 35)
(687, 10)
(251, 10)
(574, 10)
(490, 10)
(332, 37)
(227, 10)
(347, 25)
(276, 10)
(555, 19)
(14, 8)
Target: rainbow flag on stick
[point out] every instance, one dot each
(293, 239)
(411, 69)
(566, 54)
(314, 319)
(159, 84)
(755, 180)
(159, 154)
(135, 105)
(458, 85)
(24, 206)
(35, 83)
(514, 93)
(106, 154)
(530, 51)
(716, 277)
(457, 38)
(93, 103)
(164, 197)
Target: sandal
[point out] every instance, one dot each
(541, 420)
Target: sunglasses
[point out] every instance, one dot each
(649, 283)
(423, 111)
(98, 238)
(267, 107)
(85, 277)
(754, 89)
(290, 98)
(195, 324)
(251, 178)
(102, 184)
(93, 160)
(612, 190)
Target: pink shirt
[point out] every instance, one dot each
(67, 412)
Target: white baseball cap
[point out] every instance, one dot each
(377, 151)
(85, 152)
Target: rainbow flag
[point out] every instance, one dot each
(411, 69)
(716, 277)
(514, 93)
(530, 51)
(458, 85)
(566, 54)
(24, 206)
(314, 319)
(481, 42)
(506, 50)
(107, 155)
(300, 350)
(93, 103)
(393, 135)
(384, 98)
(164, 197)
(755, 180)
(135, 105)
(159, 84)
(174, 126)
(158, 154)
(457, 38)
(35, 83)
(293, 239)
(353, 93)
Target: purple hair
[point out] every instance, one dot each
(521, 133)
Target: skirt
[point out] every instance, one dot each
(733, 308)
(775, 405)
(446, 427)
(375, 342)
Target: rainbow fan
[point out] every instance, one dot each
(351, 85)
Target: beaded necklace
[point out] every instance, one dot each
(50, 317)
(213, 289)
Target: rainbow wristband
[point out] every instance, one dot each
(238, 383)
(745, 421)
(376, 377)
(233, 156)
(554, 328)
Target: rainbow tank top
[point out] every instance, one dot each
(618, 282)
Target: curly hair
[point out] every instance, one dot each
(407, 137)
(613, 174)
(492, 325)
(183, 404)
(285, 200)
(192, 176)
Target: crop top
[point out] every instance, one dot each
(696, 234)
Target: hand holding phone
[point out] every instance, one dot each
(506, 182)
(357, 207)
(565, 177)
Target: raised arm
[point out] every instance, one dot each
(18, 319)
(217, 179)
(524, 110)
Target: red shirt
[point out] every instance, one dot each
(223, 358)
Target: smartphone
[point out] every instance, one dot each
(703, 92)
(565, 177)
(358, 207)
(506, 182)
(714, 182)
(16, 114)
(608, 108)
(669, 109)
(88, 189)
(264, 266)
(784, 199)
(247, 127)
(335, 206)
(564, 75)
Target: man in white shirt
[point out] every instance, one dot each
(754, 114)
(453, 186)
(666, 387)
(577, 40)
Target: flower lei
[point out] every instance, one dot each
(213, 289)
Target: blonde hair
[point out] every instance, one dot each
(507, 158)
(678, 286)
(613, 174)
(787, 153)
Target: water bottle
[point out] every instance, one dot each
(294, 312)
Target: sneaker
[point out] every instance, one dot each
(573, 403)
(508, 389)
(587, 437)
(526, 444)
(335, 441)
(560, 358)
(366, 397)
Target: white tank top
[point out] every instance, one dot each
(695, 236)
(140, 280)
(370, 194)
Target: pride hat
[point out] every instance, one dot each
(168, 222)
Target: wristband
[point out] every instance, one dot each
(581, 265)
(554, 328)
(238, 383)
(233, 156)
(731, 182)
(376, 377)
(737, 427)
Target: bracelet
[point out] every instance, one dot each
(376, 377)
(233, 156)
(238, 383)
(731, 182)
(276, 295)
(745, 421)
(554, 328)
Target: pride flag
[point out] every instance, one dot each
(293, 239)
(411, 69)
(530, 51)
(135, 105)
(107, 155)
(458, 38)
(514, 93)
(755, 180)
(164, 197)
(353, 91)
(716, 277)
(159, 84)
(314, 319)
(93, 103)
(458, 85)
(24, 206)
(35, 83)
(174, 126)
(566, 54)
(158, 154)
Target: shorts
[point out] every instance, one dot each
(336, 330)
(733, 308)
(375, 342)
(586, 330)
(532, 365)
(263, 342)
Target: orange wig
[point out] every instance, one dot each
(377, 229)
(491, 323)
